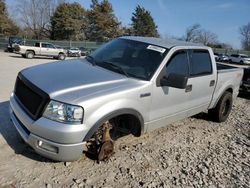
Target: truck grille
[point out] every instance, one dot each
(30, 98)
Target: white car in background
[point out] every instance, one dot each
(74, 52)
(239, 58)
(223, 58)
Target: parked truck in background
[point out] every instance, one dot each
(130, 85)
(12, 42)
(41, 49)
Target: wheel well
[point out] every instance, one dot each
(126, 124)
(61, 53)
(31, 51)
(230, 90)
(131, 117)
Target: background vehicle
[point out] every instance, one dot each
(223, 58)
(239, 58)
(74, 52)
(12, 42)
(41, 49)
(131, 85)
(245, 84)
(84, 51)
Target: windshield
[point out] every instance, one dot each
(131, 58)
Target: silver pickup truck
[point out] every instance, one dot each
(41, 49)
(130, 85)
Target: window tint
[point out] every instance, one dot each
(178, 64)
(44, 45)
(37, 44)
(47, 45)
(200, 63)
(235, 55)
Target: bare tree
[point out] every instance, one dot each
(192, 33)
(35, 16)
(245, 36)
(195, 33)
(207, 37)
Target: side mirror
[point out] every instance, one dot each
(174, 80)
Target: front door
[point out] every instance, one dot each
(48, 50)
(169, 104)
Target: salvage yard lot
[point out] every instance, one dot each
(195, 152)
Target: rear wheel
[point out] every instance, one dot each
(61, 56)
(223, 108)
(29, 54)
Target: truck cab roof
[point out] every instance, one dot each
(166, 43)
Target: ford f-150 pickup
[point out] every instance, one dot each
(130, 85)
(41, 49)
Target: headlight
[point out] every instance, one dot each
(62, 112)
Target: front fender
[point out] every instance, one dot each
(113, 109)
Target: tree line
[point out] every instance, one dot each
(61, 20)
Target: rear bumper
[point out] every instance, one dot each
(45, 147)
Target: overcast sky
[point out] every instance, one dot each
(223, 17)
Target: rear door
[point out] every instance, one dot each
(201, 82)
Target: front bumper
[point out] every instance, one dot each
(45, 147)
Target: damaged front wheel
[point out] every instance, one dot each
(101, 145)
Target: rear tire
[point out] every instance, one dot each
(29, 54)
(61, 56)
(223, 108)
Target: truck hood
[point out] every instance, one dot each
(68, 81)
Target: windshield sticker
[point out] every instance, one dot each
(156, 48)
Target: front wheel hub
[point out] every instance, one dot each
(106, 148)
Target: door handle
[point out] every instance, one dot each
(212, 82)
(188, 88)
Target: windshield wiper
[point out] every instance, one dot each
(117, 67)
(91, 59)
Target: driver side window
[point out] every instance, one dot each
(177, 64)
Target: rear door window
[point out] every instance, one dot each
(200, 63)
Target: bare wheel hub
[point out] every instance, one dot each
(106, 148)
(102, 146)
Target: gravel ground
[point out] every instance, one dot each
(195, 152)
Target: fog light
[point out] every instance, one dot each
(47, 147)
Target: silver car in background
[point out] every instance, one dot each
(239, 58)
(74, 52)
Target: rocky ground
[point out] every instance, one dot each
(195, 152)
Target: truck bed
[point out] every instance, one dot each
(227, 76)
(223, 66)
